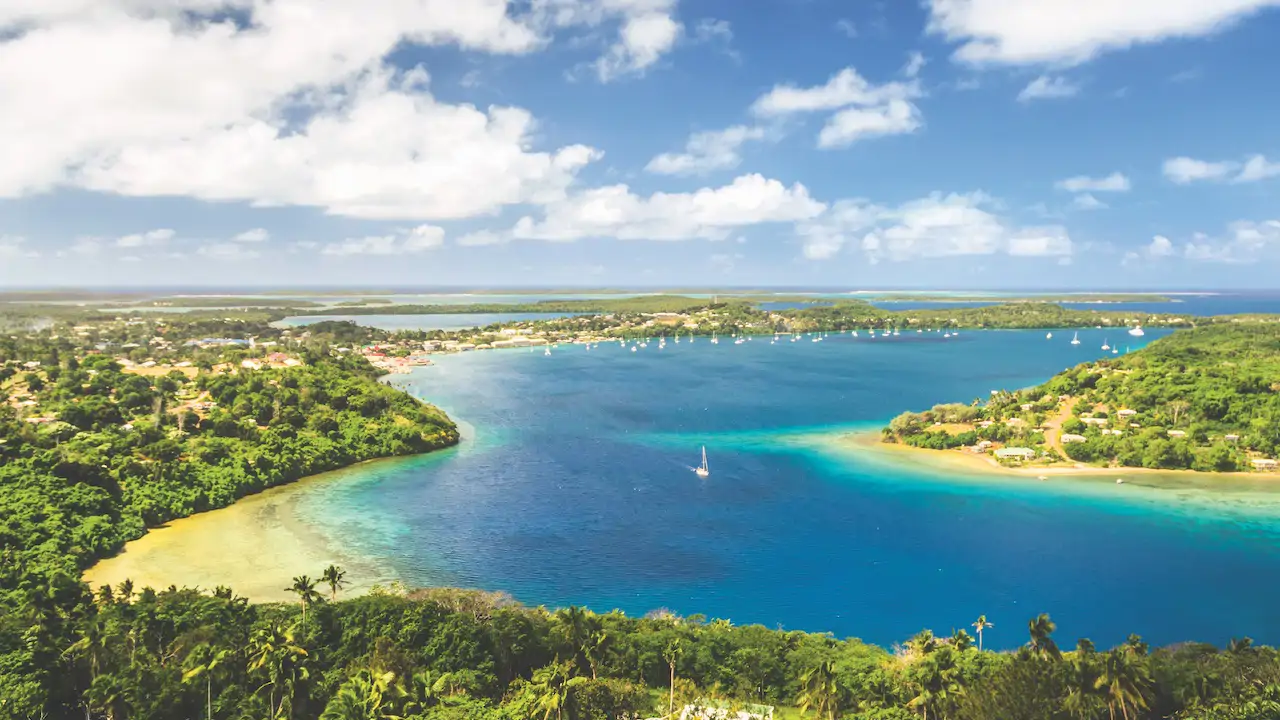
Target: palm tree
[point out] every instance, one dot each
(923, 643)
(553, 687)
(937, 678)
(1124, 682)
(1082, 700)
(276, 652)
(92, 645)
(671, 654)
(424, 691)
(961, 640)
(364, 696)
(1135, 645)
(585, 633)
(1041, 630)
(333, 577)
(980, 625)
(209, 660)
(820, 690)
(125, 591)
(305, 588)
(1239, 645)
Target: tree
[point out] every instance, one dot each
(1125, 683)
(206, 660)
(364, 696)
(1177, 408)
(936, 682)
(275, 651)
(671, 654)
(552, 687)
(305, 588)
(1083, 700)
(1041, 630)
(981, 624)
(333, 577)
(820, 690)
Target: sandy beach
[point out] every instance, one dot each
(253, 546)
(869, 442)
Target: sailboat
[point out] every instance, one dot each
(1048, 336)
(1105, 344)
(1137, 331)
(703, 471)
(714, 340)
(547, 352)
(1075, 339)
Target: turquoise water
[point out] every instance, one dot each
(573, 486)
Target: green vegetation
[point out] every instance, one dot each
(1203, 399)
(1068, 297)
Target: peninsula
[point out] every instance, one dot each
(1200, 399)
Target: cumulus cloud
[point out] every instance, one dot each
(151, 238)
(1160, 246)
(707, 151)
(708, 213)
(865, 109)
(1185, 170)
(14, 246)
(1016, 32)
(1048, 87)
(1115, 182)
(291, 104)
(1258, 168)
(256, 235)
(407, 242)
(934, 226)
(1086, 201)
(1244, 241)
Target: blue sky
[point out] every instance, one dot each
(943, 143)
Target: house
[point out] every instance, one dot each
(1112, 432)
(1094, 421)
(1264, 464)
(1026, 407)
(1126, 413)
(983, 445)
(1177, 433)
(1231, 438)
(1072, 438)
(1015, 453)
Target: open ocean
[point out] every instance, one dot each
(573, 486)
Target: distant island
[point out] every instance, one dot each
(1200, 399)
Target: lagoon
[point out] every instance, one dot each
(573, 486)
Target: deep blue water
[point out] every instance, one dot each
(573, 486)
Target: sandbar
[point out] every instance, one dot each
(254, 546)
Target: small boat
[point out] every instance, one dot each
(1119, 481)
(1048, 336)
(1137, 331)
(1105, 345)
(1043, 477)
(1115, 351)
(855, 333)
(895, 332)
(919, 331)
(547, 351)
(703, 471)
(1075, 339)
(946, 335)
(633, 348)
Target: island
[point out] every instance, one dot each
(1200, 399)
(113, 423)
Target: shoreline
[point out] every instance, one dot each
(255, 546)
(868, 441)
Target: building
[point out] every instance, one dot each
(1264, 464)
(1072, 438)
(1094, 421)
(1015, 453)
(1177, 433)
(1231, 438)
(1126, 413)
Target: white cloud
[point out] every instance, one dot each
(915, 63)
(1245, 241)
(1115, 182)
(1073, 31)
(846, 127)
(1160, 246)
(1048, 87)
(255, 235)
(1257, 168)
(151, 238)
(934, 226)
(847, 28)
(1184, 170)
(706, 151)
(1086, 201)
(708, 213)
(407, 242)
(293, 106)
(866, 110)
(14, 246)
(644, 39)
(227, 251)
